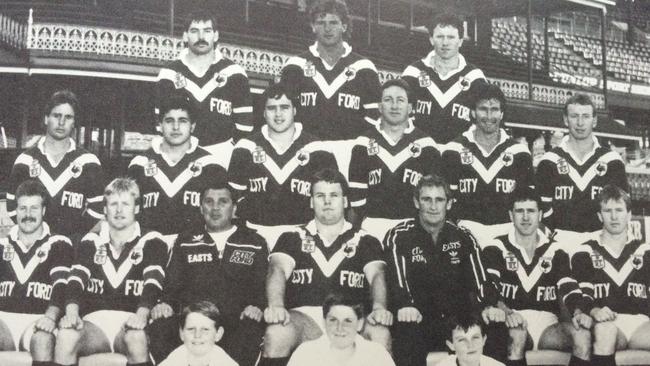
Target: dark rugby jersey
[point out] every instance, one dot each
(336, 103)
(75, 185)
(221, 96)
(442, 105)
(32, 279)
(320, 270)
(171, 193)
(102, 280)
(383, 175)
(482, 181)
(276, 187)
(569, 186)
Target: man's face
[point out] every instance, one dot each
(341, 326)
(279, 113)
(446, 42)
(488, 115)
(176, 127)
(394, 106)
(580, 120)
(615, 216)
(432, 205)
(526, 216)
(60, 121)
(467, 345)
(328, 202)
(218, 209)
(120, 210)
(199, 334)
(201, 37)
(29, 213)
(329, 29)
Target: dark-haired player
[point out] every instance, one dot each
(73, 176)
(613, 270)
(442, 82)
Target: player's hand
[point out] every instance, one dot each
(252, 312)
(162, 310)
(582, 320)
(136, 322)
(603, 314)
(409, 314)
(380, 316)
(276, 315)
(515, 320)
(493, 314)
(72, 321)
(45, 324)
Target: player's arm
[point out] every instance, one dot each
(260, 269)
(544, 183)
(400, 292)
(523, 162)
(96, 181)
(583, 272)
(450, 165)
(155, 256)
(375, 272)
(370, 95)
(242, 104)
(292, 73)
(78, 282)
(19, 173)
(358, 176)
(618, 176)
(239, 168)
(281, 264)
(174, 283)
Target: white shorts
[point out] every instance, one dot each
(110, 322)
(315, 313)
(629, 323)
(271, 233)
(378, 227)
(21, 327)
(485, 233)
(537, 322)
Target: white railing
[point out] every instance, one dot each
(12, 33)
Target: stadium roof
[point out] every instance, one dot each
(504, 8)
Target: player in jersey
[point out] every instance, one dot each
(273, 167)
(222, 263)
(73, 176)
(217, 86)
(172, 174)
(116, 278)
(34, 270)
(388, 161)
(614, 273)
(570, 175)
(435, 271)
(466, 338)
(483, 165)
(535, 278)
(324, 256)
(442, 82)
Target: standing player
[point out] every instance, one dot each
(614, 273)
(272, 168)
(115, 280)
(483, 165)
(324, 256)
(535, 278)
(218, 87)
(35, 268)
(174, 172)
(570, 176)
(442, 82)
(388, 161)
(73, 176)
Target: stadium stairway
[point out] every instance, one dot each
(552, 358)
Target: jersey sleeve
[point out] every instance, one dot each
(370, 250)
(260, 267)
(19, 173)
(583, 272)
(494, 263)
(174, 278)
(292, 75)
(95, 192)
(238, 170)
(242, 104)
(62, 255)
(358, 175)
(370, 95)
(433, 160)
(617, 175)
(80, 272)
(544, 179)
(476, 279)
(155, 256)
(400, 293)
(524, 168)
(567, 286)
(450, 163)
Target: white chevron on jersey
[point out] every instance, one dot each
(202, 92)
(23, 273)
(327, 89)
(393, 162)
(444, 98)
(582, 181)
(618, 277)
(53, 186)
(488, 174)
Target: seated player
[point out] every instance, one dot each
(324, 256)
(33, 273)
(614, 274)
(222, 263)
(200, 330)
(535, 279)
(466, 338)
(341, 344)
(271, 169)
(116, 277)
(174, 171)
(388, 161)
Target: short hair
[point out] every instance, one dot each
(205, 308)
(334, 299)
(337, 7)
(202, 15)
(464, 321)
(580, 99)
(400, 83)
(447, 19)
(62, 97)
(32, 187)
(432, 180)
(172, 102)
(218, 184)
(277, 90)
(329, 175)
(524, 193)
(487, 92)
(613, 192)
(123, 185)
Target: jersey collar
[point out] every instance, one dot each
(313, 230)
(596, 237)
(564, 145)
(469, 135)
(314, 51)
(104, 236)
(156, 146)
(428, 61)
(278, 149)
(410, 128)
(41, 147)
(543, 240)
(13, 235)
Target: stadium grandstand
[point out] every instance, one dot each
(540, 52)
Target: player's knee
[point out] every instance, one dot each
(581, 343)
(279, 340)
(42, 342)
(604, 337)
(136, 342)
